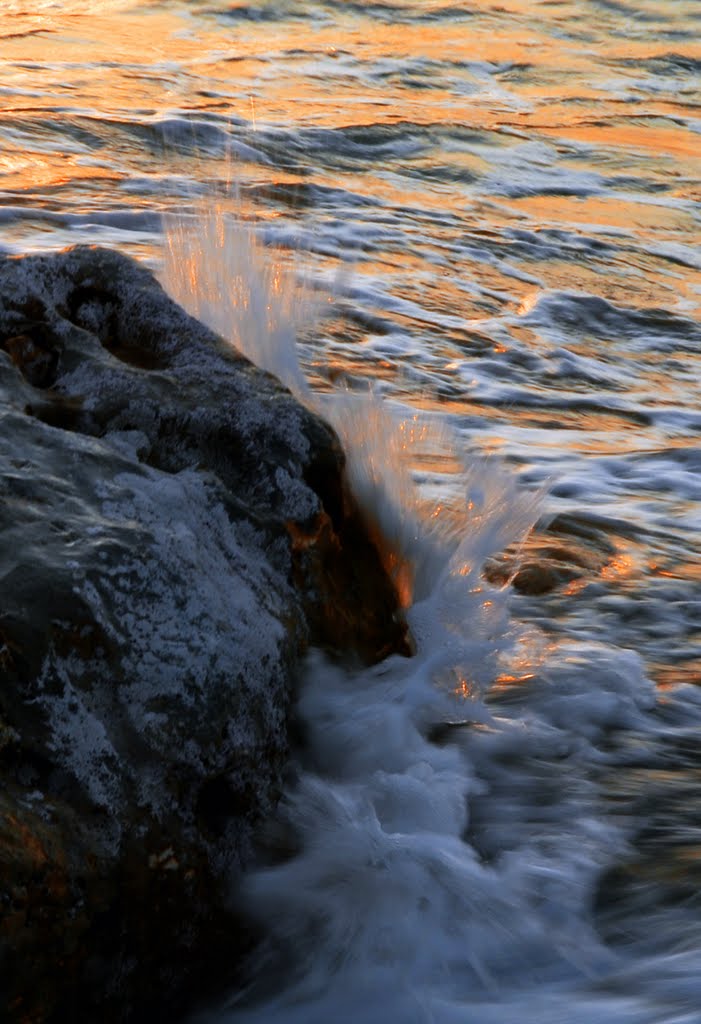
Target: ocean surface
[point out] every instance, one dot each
(481, 223)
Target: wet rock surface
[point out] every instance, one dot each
(568, 551)
(175, 528)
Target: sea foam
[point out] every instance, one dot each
(446, 817)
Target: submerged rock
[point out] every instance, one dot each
(567, 552)
(175, 529)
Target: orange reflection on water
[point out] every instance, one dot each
(668, 676)
(508, 680)
(623, 565)
(523, 666)
(24, 171)
(110, 64)
(464, 690)
(636, 133)
(604, 211)
(682, 568)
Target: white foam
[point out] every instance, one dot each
(435, 882)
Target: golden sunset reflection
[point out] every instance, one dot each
(112, 63)
(483, 162)
(670, 676)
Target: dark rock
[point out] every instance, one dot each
(175, 529)
(567, 551)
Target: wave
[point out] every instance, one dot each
(443, 844)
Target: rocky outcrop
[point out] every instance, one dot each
(174, 529)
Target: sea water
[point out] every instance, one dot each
(479, 223)
(457, 816)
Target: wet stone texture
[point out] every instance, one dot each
(174, 530)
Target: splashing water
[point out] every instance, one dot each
(216, 271)
(450, 828)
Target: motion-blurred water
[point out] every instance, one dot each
(495, 212)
